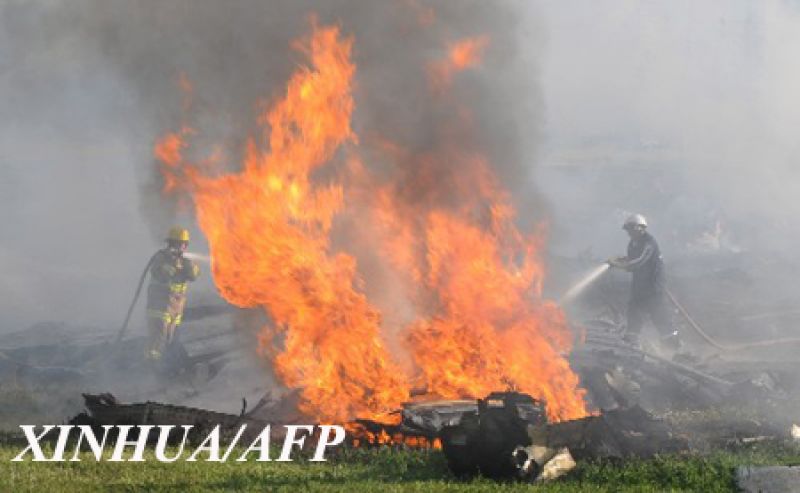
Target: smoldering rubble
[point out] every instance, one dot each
(645, 404)
(641, 397)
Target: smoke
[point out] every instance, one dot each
(92, 84)
(681, 110)
(71, 234)
(686, 118)
(238, 53)
(678, 110)
(686, 112)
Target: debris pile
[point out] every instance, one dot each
(640, 396)
(507, 435)
(79, 357)
(104, 409)
(504, 436)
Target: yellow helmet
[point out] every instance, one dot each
(178, 234)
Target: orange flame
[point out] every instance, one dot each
(474, 279)
(486, 327)
(169, 151)
(461, 55)
(268, 230)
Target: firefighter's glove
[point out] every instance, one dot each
(190, 270)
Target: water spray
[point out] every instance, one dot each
(190, 255)
(595, 273)
(581, 285)
(199, 257)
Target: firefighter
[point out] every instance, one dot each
(170, 273)
(648, 297)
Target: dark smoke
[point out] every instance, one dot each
(237, 53)
(90, 86)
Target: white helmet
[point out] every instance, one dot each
(634, 221)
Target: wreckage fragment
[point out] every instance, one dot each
(488, 440)
(104, 409)
(618, 433)
(507, 436)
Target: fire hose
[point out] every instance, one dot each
(595, 274)
(735, 347)
(124, 327)
(691, 321)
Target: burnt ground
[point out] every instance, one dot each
(745, 392)
(715, 399)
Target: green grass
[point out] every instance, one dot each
(379, 470)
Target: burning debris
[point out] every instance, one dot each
(620, 379)
(473, 280)
(363, 229)
(504, 436)
(507, 435)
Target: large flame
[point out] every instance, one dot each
(477, 281)
(474, 279)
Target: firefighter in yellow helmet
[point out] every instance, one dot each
(170, 273)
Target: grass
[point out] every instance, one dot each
(385, 471)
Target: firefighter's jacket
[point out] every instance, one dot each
(169, 278)
(645, 262)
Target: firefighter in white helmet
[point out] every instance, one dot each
(170, 273)
(648, 298)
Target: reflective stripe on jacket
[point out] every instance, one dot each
(169, 278)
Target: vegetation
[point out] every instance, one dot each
(379, 470)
